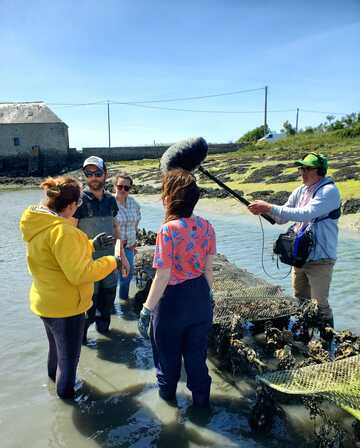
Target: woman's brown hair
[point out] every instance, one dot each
(123, 175)
(181, 194)
(60, 192)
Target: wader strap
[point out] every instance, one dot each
(334, 214)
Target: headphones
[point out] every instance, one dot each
(322, 170)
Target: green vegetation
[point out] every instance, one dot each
(345, 127)
(288, 128)
(269, 166)
(254, 135)
(334, 145)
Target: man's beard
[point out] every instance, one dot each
(96, 185)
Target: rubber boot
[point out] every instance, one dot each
(167, 395)
(326, 335)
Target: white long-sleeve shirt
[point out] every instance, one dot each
(325, 200)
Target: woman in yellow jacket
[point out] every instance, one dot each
(59, 257)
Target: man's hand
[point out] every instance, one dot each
(125, 269)
(260, 207)
(144, 322)
(103, 241)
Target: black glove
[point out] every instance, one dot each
(118, 263)
(103, 241)
(144, 322)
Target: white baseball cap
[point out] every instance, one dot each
(94, 160)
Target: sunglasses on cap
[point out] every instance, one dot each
(125, 187)
(97, 173)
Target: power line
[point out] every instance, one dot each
(145, 104)
(207, 111)
(175, 109)
(94, 103)
(166, 100)
(188, 98)
(322, 112)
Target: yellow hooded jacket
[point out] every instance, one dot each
(59, 257)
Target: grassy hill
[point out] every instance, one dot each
(269, 168)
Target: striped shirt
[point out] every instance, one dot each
(128, 217)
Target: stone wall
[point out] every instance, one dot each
(47, 136)
(147, 152)
(33, 148)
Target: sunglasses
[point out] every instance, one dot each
(306, 168)
(98, 173)
(125, 187)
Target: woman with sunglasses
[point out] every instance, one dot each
(59, 257)
(128, 218)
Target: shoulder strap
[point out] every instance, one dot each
(322, 185)
(334, 214)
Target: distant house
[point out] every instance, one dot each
(33, 139)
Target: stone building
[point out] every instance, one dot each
(33, 140)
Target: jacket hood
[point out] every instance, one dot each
(35, 220)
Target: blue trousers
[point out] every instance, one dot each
(124, 282)
(64, 335)
(179, 329)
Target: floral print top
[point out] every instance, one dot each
(183, 245)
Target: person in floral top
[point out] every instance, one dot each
(179, 302)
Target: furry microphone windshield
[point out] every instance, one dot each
(187, 154)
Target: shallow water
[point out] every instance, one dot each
(117, 403)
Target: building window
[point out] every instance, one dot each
(16, 141)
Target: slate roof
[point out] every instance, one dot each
(34, 112)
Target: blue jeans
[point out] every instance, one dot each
(124, 282)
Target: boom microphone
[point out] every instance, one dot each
(188, 155)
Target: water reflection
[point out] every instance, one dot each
(125, 348)
(132, 418)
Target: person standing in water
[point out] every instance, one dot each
(316, 204)
(128, 218)
(97, 214)
(179, 304)
(63, 271)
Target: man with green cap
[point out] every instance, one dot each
(315, 203)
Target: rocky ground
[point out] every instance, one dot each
(255, 175)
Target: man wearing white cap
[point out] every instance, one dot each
(97, 215)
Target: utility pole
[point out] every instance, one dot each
(108, 116)
(265, 111)
(297, 120)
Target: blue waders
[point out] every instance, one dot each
(180, 327)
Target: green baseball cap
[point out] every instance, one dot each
(313, 160)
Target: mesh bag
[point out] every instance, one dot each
(337, 381)
(256, 303)
(232, 292)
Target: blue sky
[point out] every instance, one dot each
(74, 52)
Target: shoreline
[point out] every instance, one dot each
(231, 207)
(218, 206)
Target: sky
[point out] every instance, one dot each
(66, 52)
